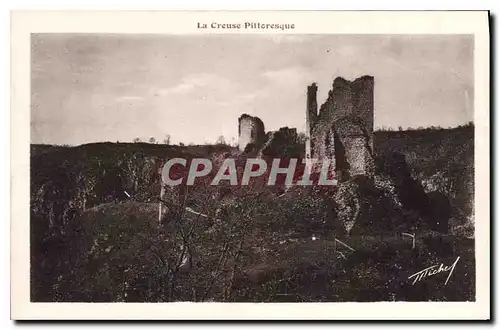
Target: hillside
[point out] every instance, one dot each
(442, 160)
(67, 180)
(120, 254)
(92, 242)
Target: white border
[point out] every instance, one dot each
(24, 23)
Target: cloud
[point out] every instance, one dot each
(183, 88)
(196, 82)
(288, 75)
(129, 98)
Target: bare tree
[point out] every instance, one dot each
(221, 140)
(152, 140)
(206, 235)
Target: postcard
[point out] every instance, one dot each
(258, 165)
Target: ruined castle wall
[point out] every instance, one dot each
(350, 105)
(251, 131)
(363, 91)
(356, 155)
(344, 125)
(311, 117)
(282, 143)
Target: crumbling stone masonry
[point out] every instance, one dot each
(342, 130)
(251, 132)
(281, 143)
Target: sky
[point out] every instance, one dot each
(94, 87)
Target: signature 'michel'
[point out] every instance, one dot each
(433, 270)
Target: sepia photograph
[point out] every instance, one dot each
(260, 167)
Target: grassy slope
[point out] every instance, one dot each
(67, 180)
(117, 246)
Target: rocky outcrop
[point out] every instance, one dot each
(392, 200)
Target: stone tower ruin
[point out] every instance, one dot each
(251, 131)
(342, 130)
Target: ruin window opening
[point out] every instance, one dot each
(340, 157)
